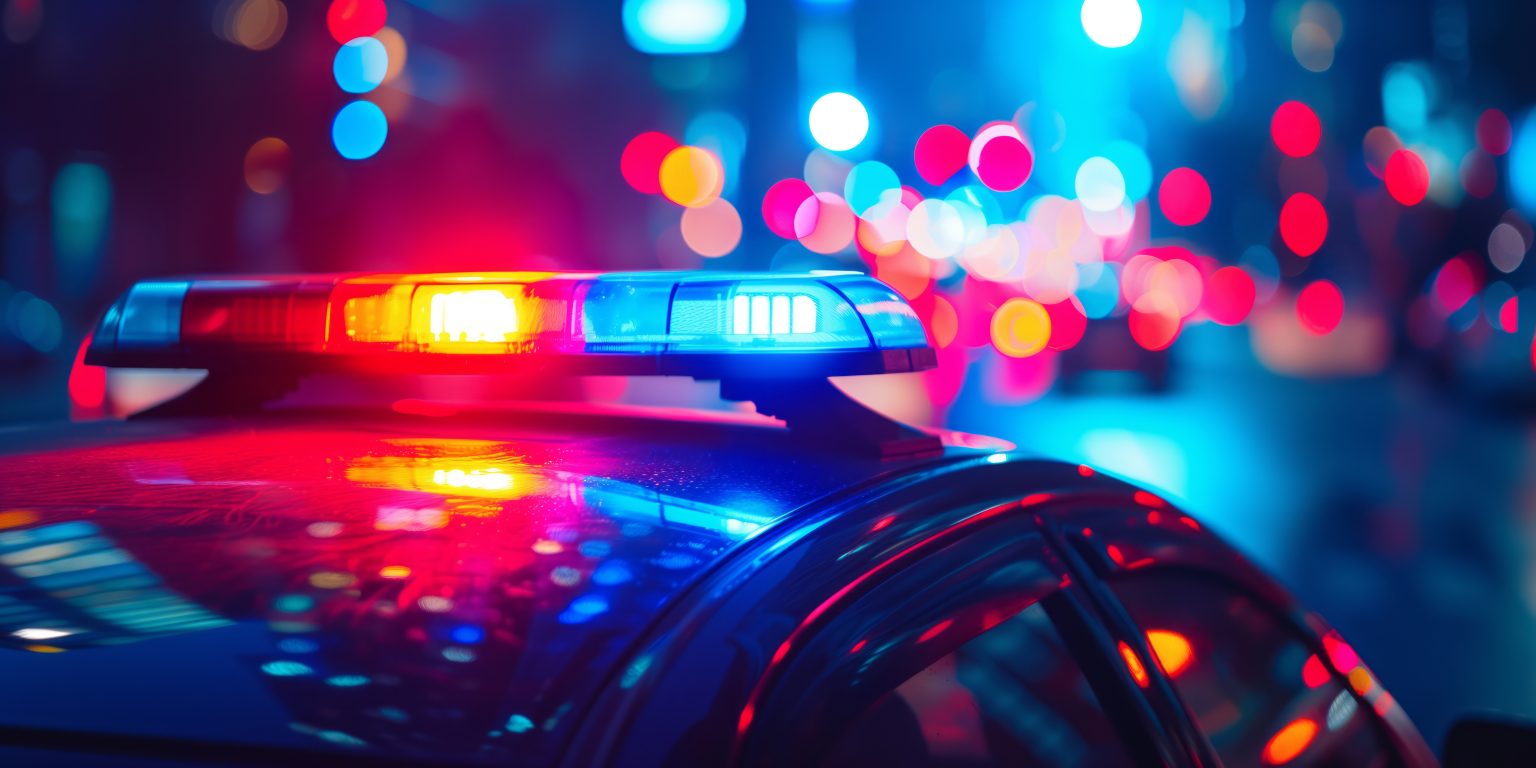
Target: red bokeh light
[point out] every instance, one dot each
(1509, 315)
(780, 204)
(1154, 329)
(641, 161)
(1320, 307)
(1493, 132)
(1068, 323)
(1229, 295)
(1455, 284)
(1184, 196)
(1313, 673)
(1407, 177)
(351, 19)
(940, 153)
(1479, 176)
(1296, 129)
(1005, 163)
(1303, 224)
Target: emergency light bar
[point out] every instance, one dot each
(708, 325)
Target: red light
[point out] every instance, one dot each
(935, 630)
(780, 205)
(351, 19)
(1493, 132)
(941, 152)
(1295, 129)
(1085, 470)
(1303, 224)
(1147, 499)
(1343, 657)
(1184, 196)
(1155, 329)
(1068, 323)
(1455, 284)
(1320, 307)
(87, 383)
(1229, 296)
(1407, 177)
(1005, 163)
(640, 162)
(1313, 673)
(859, 646)
(1509, 315)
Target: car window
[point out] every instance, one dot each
(1246, 675)
(1012, 696)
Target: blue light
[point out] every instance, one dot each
(360, 65)
(1522, 164)
(467, 634)
(869, 184)
(612, 573)
(286, 668)
(347, 681)
(1405, 97)
(151, 315)
(1135, 168)
(359, 130)
(519, 724)
(683, 26)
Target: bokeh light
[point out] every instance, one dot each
(1099, 184)
(712, 230)
(1295, 129)
(839, 121)
(940, 153)
(1020, 328)
(1407, 177)
(1184, 196)
(1506, 247)
(1303, 224)
(1320, 307)
(683, 26)
(360, 65)
(691, 177)
(640, 163)
(1112, 23)
(1229, 296)
(395, 51)
(1494, 133)
(1004, 162)
(266, 165)
(254, 24)
(359, 130)
(827, 222)
(780, 205)
(351, 19)
(868, 184)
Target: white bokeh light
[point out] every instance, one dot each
(1112, 23)
(839, 121)
(1100, 185)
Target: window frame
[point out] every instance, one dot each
(1141, 728)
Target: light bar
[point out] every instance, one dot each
(634, 323)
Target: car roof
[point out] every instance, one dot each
(422, 583)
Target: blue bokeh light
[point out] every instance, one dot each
(359, 130)
(683, 26)
(360, 65)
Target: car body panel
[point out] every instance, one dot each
(444, 588)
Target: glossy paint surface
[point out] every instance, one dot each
(448, 589)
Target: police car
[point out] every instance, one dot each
(269, 570)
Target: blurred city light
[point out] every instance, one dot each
(839, 121)
(683, 26)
